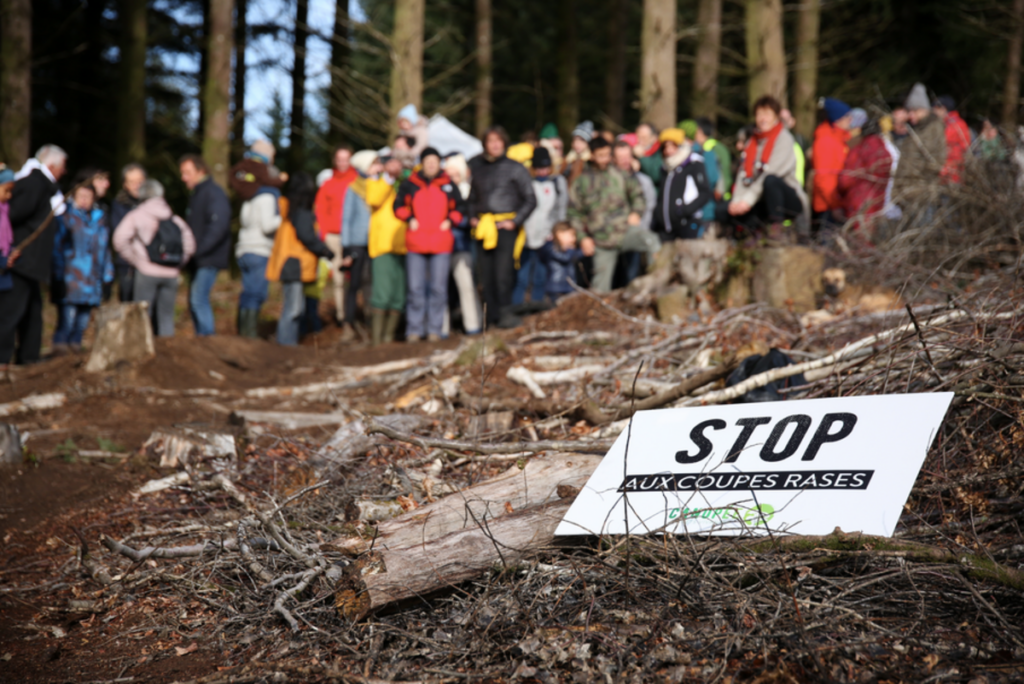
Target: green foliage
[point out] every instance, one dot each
(67, 449)
(109, 445)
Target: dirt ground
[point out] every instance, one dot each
(57, 494)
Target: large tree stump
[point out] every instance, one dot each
(124, 334)
(10, 445)
(789, 278)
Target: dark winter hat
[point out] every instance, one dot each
(429, 152)
(946, 102)
(834, 109)
(541, 158)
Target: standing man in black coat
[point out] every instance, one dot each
(35, 196)
(132, 177)
(501, 198)
(209, 217)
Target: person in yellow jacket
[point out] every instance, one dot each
(295, 254)
(387, 251)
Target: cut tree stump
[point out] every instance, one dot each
(518, 488)
(124, 334)
(789, 277)
(10, 445)
(180, 447)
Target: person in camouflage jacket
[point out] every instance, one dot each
(605, 207)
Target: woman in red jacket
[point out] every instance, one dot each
(829, 154)
(430, 203)
(862, 183)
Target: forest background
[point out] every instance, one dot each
(114, 81)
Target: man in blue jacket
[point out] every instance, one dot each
(209, 217)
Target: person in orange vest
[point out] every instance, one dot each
(831, 145)
(295, 254)
(958, 138)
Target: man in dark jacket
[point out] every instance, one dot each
(127, 198)
(501, 198)
(35, 202)
(209, 217)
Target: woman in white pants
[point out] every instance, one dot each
(462, 256)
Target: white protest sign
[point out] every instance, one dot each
(798, 467)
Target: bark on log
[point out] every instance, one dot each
(179, 447)
(535, 484)
(382, 577)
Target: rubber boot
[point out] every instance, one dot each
(248, 323)
(391, 325)
(377, 327)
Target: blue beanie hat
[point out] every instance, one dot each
(835, 109)
(6, 176)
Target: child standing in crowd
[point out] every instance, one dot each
(561, 258)
(6, 232)
(431, 204)
(387, 252)
(552, 201)
(82, 264)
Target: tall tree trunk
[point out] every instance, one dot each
(204, 65)
(766, 51)
(484, 64)
(241, 39)
(568, 112)
(1011, 91)
(407, 45)
(217, 128)
(805, 71)
(339, 63)
(15, 81)
(615, 73)
(658, 63)
(708, 59)
(131, 101)
(297, 139)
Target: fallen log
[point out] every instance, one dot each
(286, 420)
(36, 402)
(588, 446)
(535, 483)
(593, 414)
(381, 577)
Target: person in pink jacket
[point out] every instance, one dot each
(156, 282)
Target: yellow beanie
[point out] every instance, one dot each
(675, 135)
(522, 153)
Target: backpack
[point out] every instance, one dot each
(166, 248)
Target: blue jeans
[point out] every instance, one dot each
(199, 300)
(292, 311)
(427, 275)
(254, 281)
(311, 322)
(74, 319)
(532, 276)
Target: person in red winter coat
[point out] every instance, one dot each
(863, 180)
(958, 138)
(430, 203)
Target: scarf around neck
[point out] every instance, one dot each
(751, 164)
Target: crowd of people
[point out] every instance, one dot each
(513, 229)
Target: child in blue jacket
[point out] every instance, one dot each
(561, 258)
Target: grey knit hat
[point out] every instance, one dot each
(584, 130)
(918, 98)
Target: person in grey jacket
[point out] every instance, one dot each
(767, 192)
(552, 193)
(209, 216)
(501, 196)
